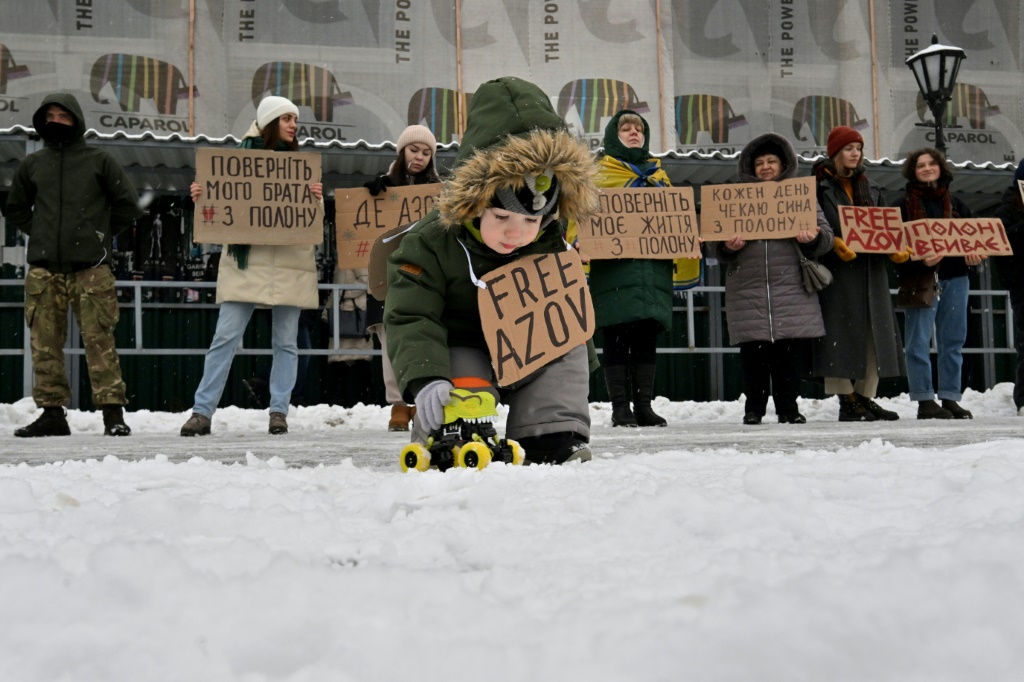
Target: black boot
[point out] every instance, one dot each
(616, 378)
(113, 421)
(643, 393)
(957, 412)
(555, 448)
(51, 423)
(853, 410)
(929, 409)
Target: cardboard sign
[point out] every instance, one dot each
(957, 237)
(361, 217)
(872, 229)
(655, 222)
(533, 311)
(758, 210)
(252, 196)
(382, 248)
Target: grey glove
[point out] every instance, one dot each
(430, 402)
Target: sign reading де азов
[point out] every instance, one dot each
(360, 218)
(254, 196)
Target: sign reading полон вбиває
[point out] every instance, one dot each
(654, 222)
(957, 237)
(254, 196)
(758, 210)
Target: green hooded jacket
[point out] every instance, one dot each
(431, 302)
(70, 198)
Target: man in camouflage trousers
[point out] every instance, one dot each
(69, 198)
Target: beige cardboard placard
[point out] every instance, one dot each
(383, 247)
(533, 311)
(252, 196)
(957, 237)
(361, 217)
(758, 210)
(872, 229)
(655, 222)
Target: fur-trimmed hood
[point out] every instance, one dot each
(468, 193)
(512, 130)
(777, 144)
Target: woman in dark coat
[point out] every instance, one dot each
(861, 342)
(632, 296)
(769, 314)
(1011, 274)
(928, 177)
(413, 166)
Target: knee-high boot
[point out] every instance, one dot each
(616, 378)
(643, 393)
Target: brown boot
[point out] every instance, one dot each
(400, 416)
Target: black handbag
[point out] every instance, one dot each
(816, 276)
(352, 324)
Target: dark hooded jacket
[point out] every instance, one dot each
(1011, 212)
(765, 298)
(431, 301)
(69, 197)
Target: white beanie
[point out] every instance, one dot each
(272, 107)
(417, 133)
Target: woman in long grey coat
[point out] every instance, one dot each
(769, 314)
(861, 342)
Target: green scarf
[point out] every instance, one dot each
(614, 148)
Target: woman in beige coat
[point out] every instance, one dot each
(281, 277)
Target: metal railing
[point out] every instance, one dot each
(716, 347)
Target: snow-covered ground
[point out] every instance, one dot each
(704, 551)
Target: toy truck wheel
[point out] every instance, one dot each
(473, 456)
(415, 456)
(518, 453)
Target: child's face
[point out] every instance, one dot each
(504, 231)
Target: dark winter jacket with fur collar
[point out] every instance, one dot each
(765, 298)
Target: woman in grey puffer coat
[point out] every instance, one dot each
(768, 312)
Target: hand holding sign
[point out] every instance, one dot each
(533, 311)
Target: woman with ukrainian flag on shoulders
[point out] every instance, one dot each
(632, 296)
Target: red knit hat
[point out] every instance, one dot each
(840, 137)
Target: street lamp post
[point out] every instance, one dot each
(936, 68)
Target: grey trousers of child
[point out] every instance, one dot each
(554, 399)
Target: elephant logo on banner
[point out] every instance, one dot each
(969, 101)
(9, 68)
(135, 78)
(439, 109)
(822, 113)
(305, 84)
(596, 98)
(705, 113)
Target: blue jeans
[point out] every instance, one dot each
(948, 315)
(231, 324)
